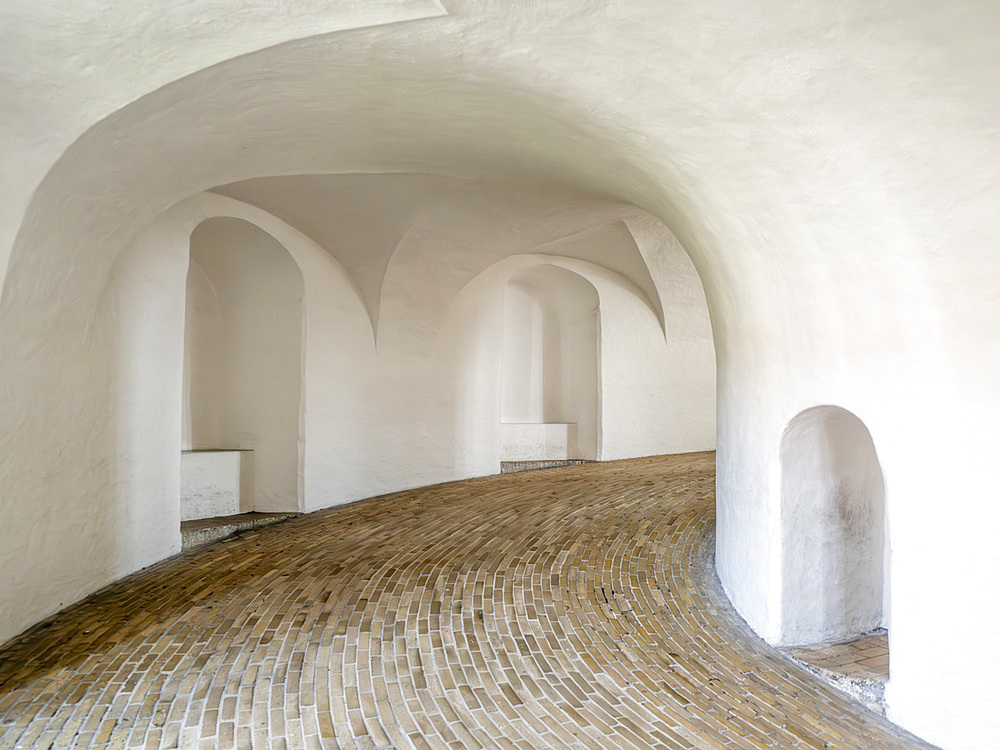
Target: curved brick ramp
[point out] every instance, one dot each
(572, 608)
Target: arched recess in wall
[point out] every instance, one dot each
(675, 377)
(833, 528)
(241, 424)
(550, 382)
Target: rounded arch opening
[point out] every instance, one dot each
(833, 528)
(241, 425)
(550, 373)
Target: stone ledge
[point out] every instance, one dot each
(208, 530)
(858, 667)
(513, 467)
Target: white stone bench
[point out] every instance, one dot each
(546, 441)
(216, 483)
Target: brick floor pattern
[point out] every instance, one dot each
(570, 608)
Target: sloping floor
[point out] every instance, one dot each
(570, 608)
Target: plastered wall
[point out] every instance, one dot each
(243, 355)
(204, 364)
(551, 355)
(829, 169)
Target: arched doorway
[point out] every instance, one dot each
(833, 529)
(242, 373)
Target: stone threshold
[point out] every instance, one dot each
(513, 467)
(207, 530)
(857, 667)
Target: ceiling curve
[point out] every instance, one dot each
(365, 220)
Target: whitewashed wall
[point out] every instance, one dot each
(551, 358)
(204, 364)
(243, 346)
(829, 167)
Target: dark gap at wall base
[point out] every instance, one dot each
(512, 467)
(207, 530)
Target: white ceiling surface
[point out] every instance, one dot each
(710, 126)
(362, 220)
(66, 65)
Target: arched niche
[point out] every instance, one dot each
(550, 366)
(242, 372)
(833, 528)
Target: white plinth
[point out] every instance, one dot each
(215, 483)
(549, 441)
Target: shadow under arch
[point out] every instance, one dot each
(550, 366)
(243, 359)
(677, 378)
(832, 528)
(142, 312)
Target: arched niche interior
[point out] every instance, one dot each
(833, 529)
(550, 366)
(242, 373)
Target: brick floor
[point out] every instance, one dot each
(570, 608)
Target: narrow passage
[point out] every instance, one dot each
(569, 608)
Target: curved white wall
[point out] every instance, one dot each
(655, 394)
(203, 362)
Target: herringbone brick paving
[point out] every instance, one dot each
(571, 608)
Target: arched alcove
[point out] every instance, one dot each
(833, 528)
(550, 371)
(242, 371)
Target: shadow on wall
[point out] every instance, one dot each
(243, 356)
(550, 370)
(833, 528)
